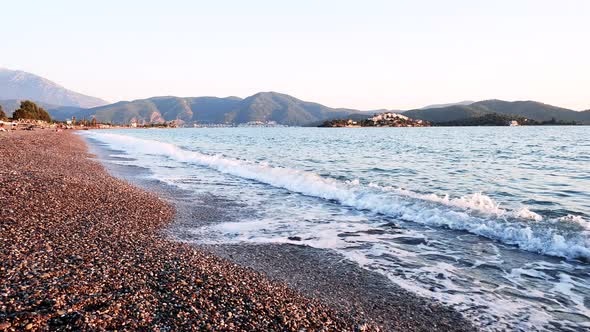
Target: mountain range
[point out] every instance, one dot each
(263, 106)
(62, 104)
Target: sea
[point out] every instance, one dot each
(491, 221)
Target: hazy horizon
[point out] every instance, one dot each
(382, 54)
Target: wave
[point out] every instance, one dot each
(474, 202)
(510, 227)
(578, 220)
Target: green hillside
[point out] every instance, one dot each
(527, 109)
(284, 109)
(287, 110)
(264, 106)
(449, 113)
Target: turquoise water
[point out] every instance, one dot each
(492, 221)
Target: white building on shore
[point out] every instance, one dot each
(387, 116)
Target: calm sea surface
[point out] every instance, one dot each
(493, 221)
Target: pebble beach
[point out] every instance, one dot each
(82, 250)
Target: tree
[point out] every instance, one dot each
(2, 114)
(30, 110)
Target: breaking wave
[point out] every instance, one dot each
(476, 213)
(474, 202)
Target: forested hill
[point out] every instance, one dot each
(527, 109)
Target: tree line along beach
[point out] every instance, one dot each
(83, 250)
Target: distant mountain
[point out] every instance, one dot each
(532, 110)
(263, 106)
(445, 114)
(161, 109)
(62, 104)
(284, 109)
(20, 85)
(288, 110)
(528, 109)
(461, 103)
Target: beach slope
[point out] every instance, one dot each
(80, 249)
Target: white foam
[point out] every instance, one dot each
(525, 213)
(474, 202)
(547, 239)
(579, 220)
(567, 286)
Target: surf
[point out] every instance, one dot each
(476, 213)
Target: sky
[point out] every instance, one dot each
(367, 54)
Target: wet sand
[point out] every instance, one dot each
(82, 250)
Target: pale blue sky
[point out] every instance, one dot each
(360, 54)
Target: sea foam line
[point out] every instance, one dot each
(474, 202)
(546, 238)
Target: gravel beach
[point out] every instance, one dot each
(366, 296)
(81, 250)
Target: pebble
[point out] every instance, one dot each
(82, 250)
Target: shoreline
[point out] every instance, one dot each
(84, 250)
(365, 295)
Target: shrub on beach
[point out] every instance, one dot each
(30, 110)
(2, 114)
